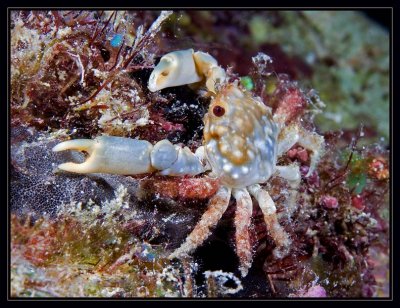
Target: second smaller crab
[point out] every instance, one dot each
(242, 143)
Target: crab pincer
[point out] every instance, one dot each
(118, 155)
(109, 155)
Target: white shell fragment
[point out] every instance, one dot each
(174, 69)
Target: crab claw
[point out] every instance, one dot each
(174, 69)
(115, 155)
(182, 67)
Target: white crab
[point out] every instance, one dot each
(242, 141)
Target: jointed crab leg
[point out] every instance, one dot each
(290, 135)
(268, 208)
(216, 208)
(244, 209)
(291, 173)
(117, 155)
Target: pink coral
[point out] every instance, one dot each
(292, 103)
(299, 153)
(358, 202)
(329, 202)
(314, 291)
(378, 169)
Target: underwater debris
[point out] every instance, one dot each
(216, 281)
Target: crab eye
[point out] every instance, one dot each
(219, 111)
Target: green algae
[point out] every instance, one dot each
(247, 82)
(88, 243)
(350, 60)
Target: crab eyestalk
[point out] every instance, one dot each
(118, 155)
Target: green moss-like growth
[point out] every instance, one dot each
(88, 252)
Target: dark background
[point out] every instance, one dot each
(381, 16)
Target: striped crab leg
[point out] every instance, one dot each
(244, 210)
(216, 208)
(125, 156)
(268, 209)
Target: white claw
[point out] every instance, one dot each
(86, 145)
(115, 155)
(176, 68)
(208, 67)
(77, 144)
(86, 167)
(183, 67)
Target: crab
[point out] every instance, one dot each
(241, 145)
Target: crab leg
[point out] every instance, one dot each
(287, 138)
(268, 208)
(125, 156)
(291, 135)
(216, 208)
(244, 209)
(315, 143)
(290, 173)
